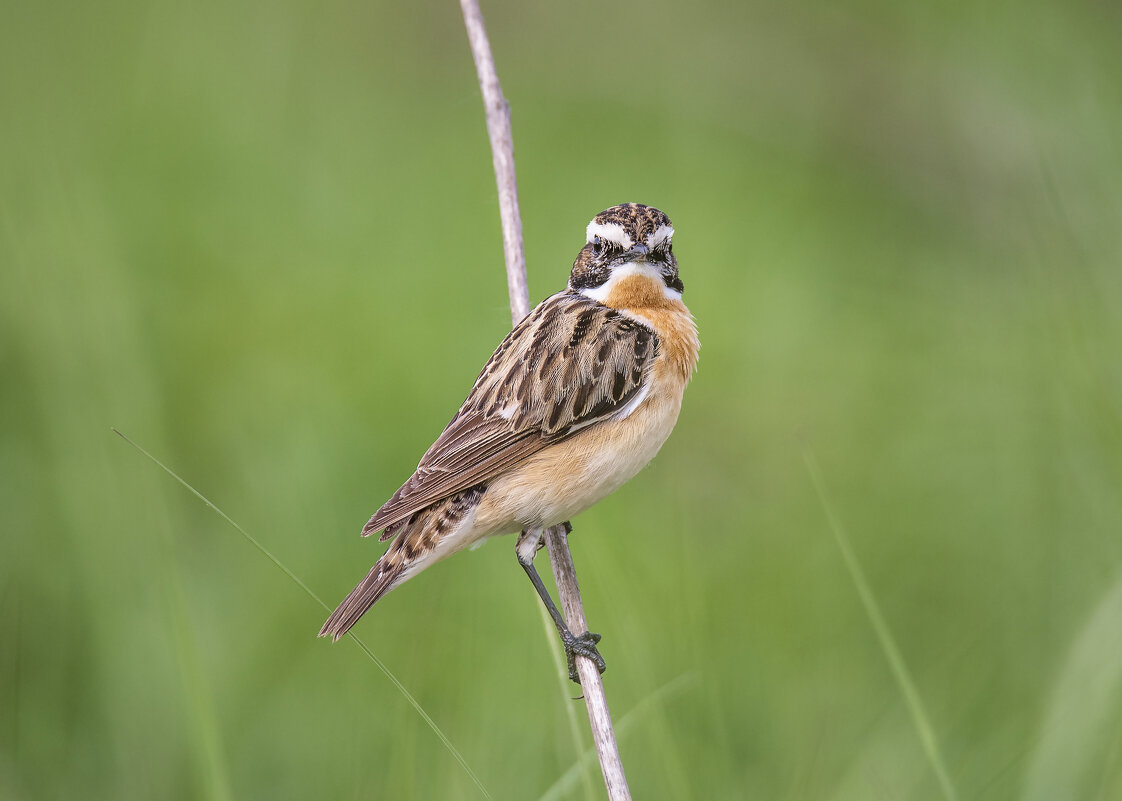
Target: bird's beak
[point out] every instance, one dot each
(637, 252)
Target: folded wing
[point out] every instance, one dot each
(571, 363)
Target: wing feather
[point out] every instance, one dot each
(571, 363)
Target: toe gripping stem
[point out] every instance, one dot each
(575, 644)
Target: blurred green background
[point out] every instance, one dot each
(262, 239)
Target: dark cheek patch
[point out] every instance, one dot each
(670, 276)
(588, 276)
(588, 271)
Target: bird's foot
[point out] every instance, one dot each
(582, 645)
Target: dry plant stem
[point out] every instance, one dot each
(502, 156)
(502, 151)
(599, 718)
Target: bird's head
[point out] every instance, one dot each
(624, 240)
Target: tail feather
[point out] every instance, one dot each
(417, 544)
(377, 583)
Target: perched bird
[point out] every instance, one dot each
(575, 401)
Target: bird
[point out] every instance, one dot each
(573, 403)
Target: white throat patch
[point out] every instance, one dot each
(643, 268)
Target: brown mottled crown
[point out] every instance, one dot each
(637, 220)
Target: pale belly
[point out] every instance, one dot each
(562, 481)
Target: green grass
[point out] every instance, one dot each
(263, 241)
(440, 735)
(920, 719)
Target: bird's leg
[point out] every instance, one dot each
(583, 644)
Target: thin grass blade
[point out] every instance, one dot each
(440, 735)
(896, 663)
(1077, 751)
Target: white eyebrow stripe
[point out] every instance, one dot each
(661, 236)
(613, 232)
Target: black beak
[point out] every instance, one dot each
(637, 252)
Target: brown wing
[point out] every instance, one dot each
(570, 363)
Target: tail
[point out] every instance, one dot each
(417, 544)
(378, 582)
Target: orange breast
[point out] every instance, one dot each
(645, 299)
(637, 292)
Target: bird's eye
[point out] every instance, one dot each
(597, 245)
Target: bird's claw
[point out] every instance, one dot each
(582, 645)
